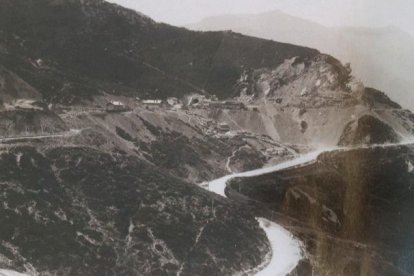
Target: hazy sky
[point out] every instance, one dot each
(327, 12)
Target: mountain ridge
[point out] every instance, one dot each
(121, 46)
(387, 49)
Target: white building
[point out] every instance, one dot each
(116, 106)
(172, 101)
(152, 102)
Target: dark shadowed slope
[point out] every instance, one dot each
(93, 44)
(80, 211)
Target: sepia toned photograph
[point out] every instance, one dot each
(206, 138)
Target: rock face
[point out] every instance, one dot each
(368, 130)
(381, 57)
(313, 82)
(354, 209)
(311, 101)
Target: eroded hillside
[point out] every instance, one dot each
(109, 121)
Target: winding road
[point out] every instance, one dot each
(286, 249)
(6, 272)
(70, 133)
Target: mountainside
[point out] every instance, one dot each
(94, 46)
(93, 192)
(352, 208)
(110, 124)
(380, 57)
(313, 102)
(70, 52)
(78, 211)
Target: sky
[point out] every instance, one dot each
(370, 13)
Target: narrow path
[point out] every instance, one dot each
(69, 133)
(286, 250)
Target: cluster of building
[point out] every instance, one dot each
(201, 101)
(193, 101)
(118, 106)
(25, 104)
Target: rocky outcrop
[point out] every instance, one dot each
(368, 130)
(315, 82)
(317, 102)
(386, 66)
